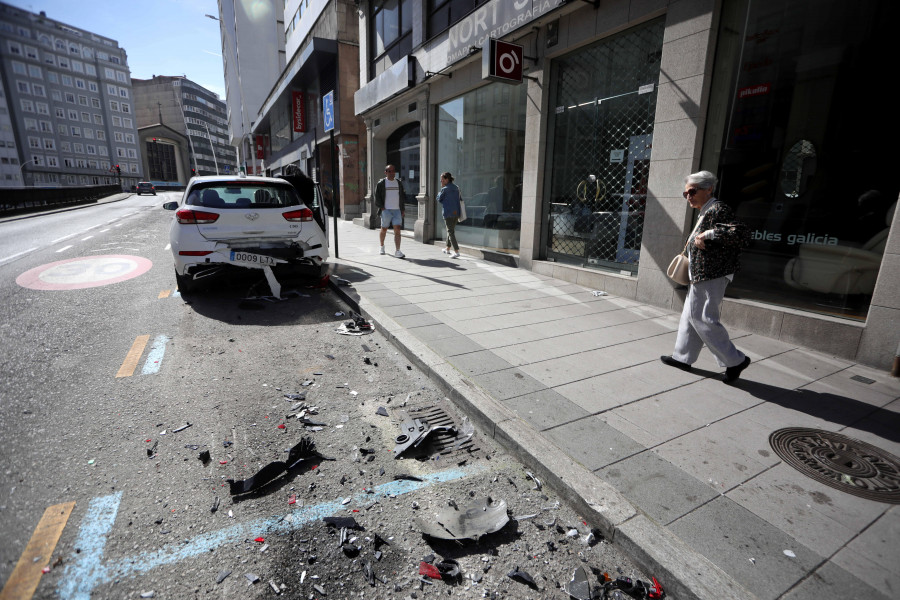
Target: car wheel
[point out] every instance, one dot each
(186, 283)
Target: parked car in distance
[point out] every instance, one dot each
(145, 187)
(228, 223)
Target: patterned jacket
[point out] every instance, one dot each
(721, 256)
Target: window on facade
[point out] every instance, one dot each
(785, 127)
(486, 167)
(391, 33)
(35, 71)
(43, 108)
(52, 77)
(39, 90)
(49, 59)
(19, 68)
(31, 52)
(23, 87)
(603, 102)
(27, 105)
(67, 80)
(15, 48)
(444, 13)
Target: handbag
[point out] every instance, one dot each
(678, 270)
(462, 210)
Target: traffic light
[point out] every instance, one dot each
(193, 172)
(118, 170)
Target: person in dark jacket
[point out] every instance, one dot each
(714, 249)
(449, 199)
(390, 199)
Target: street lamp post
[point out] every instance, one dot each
(22, 167)
(212, 146)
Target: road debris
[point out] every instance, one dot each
(413, 432)
(522, 576)
(579, 587)
(305, 450)
(222, 576)
(478, 518)
(182, 428)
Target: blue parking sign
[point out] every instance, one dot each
(328, 110)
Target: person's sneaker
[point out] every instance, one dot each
(399, 254)
(382, 250)
(456, 255)
(732, 373)
(668, 360)
(446, 250)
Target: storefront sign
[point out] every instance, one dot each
(502, 61)
(494, 20)
(259, 147)
(297, 99)
(755, 90)
(616, 156)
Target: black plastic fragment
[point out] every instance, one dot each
(304, 450)
(342, 522)
(381, 411)
(522, 577)
(205, 457)
(222, 575)
(407, 477)
(351, 550)
(215, 505)
(152, 450)
(378, 542)
(449, 570)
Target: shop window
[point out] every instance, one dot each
(601, 132)
(390, 33)
(482, 144)
(804, 158)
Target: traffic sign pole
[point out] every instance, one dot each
(329, 118)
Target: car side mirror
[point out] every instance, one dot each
(170, 206)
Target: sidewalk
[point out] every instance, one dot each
(676, 467)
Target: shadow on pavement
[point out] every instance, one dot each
(829, 407)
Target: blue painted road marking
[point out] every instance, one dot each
(154, 358)
(86, 571)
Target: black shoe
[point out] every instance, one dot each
(668, 360)
(732, 373)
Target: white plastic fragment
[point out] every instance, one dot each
(790, 554)
(302, 576)
(599, 293)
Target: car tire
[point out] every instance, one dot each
(186, 283)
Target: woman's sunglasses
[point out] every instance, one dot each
(691, 192)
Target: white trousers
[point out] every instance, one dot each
(700, 325)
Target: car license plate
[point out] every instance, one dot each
(255, 259)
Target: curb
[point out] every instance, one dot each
(687, 574)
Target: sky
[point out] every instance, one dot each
(161, 37)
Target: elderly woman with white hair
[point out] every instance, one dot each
(714, 249)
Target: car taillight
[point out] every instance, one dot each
(187, 216)
(194, 252)
(304, 214)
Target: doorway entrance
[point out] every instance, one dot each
(403, 152)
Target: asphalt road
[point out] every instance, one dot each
(81, 422)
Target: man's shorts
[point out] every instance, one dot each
(391, 216)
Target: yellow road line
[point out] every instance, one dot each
(164, 294)
(133, 356)
(27, 574)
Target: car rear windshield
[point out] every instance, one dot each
(242, 195)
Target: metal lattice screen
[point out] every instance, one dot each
(605, 105)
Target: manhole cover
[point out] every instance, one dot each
(841, 462)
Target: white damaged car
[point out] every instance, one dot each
(225, 223)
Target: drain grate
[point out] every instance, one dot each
(841, 462)
(439, 443)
